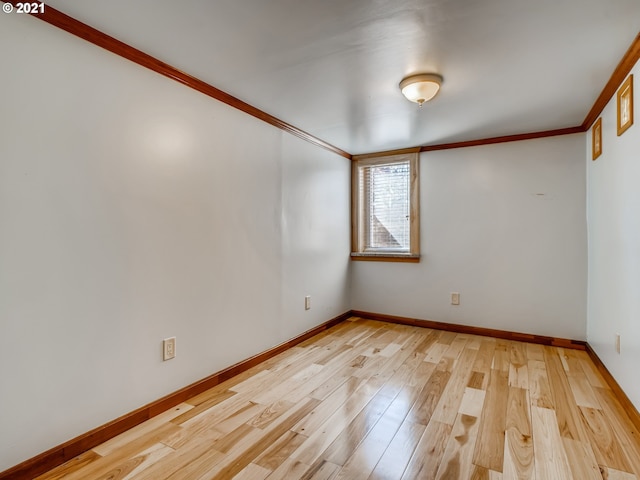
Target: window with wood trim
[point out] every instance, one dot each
(385, 211)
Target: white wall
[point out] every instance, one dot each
(614, 248)
(315, 235)
(133, 209)
(518, 259)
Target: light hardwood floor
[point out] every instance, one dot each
(371, 400)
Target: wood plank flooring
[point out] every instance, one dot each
(372, 400)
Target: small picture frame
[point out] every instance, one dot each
(596, 139)
(625, 105)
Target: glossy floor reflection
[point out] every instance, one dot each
(371, 400)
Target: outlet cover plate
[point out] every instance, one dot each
(455, 298)
(168, 348)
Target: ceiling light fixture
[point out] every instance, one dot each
(420, 88)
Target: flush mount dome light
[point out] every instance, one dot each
(420, 88)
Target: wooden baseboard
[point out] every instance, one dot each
(60, 454)
(68, 450)
(486, 332)
(625, 402)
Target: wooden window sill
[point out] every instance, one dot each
(386, 257)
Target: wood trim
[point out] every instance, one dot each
(82, 30)
(60, 454)
(356, 220)
(75, 27)
(66, 451)
(359, 204)
(504, 139)
(627, 404)
(486, 332)
(374, 257)
(414, 206)
(388, 153)
(630, 58)
(92, 35)
(478, 142)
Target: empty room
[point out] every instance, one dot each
(354, 239)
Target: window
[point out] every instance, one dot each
(385, 208)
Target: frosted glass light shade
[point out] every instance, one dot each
(420, 88)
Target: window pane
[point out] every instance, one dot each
(386, 191)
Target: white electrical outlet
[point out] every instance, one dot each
(307, 302)
(618, 343)
(169, 348)
(455, 298)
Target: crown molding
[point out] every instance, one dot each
(92, 35)
(75, 27)
(630, 58)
